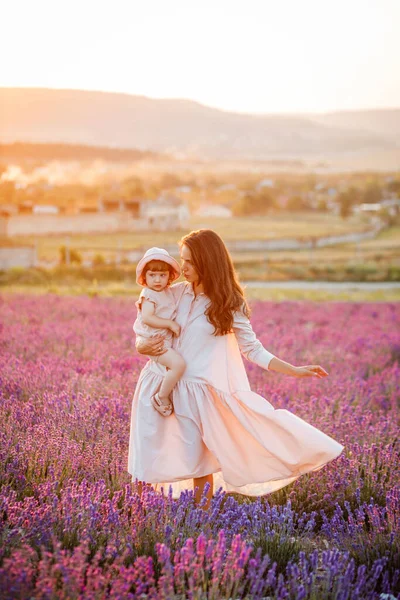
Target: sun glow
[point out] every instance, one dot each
(258, 56)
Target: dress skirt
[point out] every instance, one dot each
(249, 446)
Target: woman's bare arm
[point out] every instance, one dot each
(276, 364)
(255, 352)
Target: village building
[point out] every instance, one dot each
(226, 187)
(265, 183)
(44, 209)
(110, 215)
(391, 205)
(165, 213)
(183, 189)
(17, 256)
(214, 210)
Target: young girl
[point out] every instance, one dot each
(156, 309)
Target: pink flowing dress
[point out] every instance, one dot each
(219, 425)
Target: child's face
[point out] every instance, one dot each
(157, 280)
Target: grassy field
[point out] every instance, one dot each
(293, 225)
(371, 260)
(387, 241)
(122, 289)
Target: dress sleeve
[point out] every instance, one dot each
(148, 295)
(249, 345)
(177, 290)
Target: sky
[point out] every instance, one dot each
(249, 56)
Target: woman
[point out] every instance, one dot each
(221, 432)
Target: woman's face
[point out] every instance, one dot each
(188, 270)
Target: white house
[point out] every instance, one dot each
(226, 187)
(44, 209)
(269, 183)
(166, 213)
(17, 256)
(392, 205)
(214, 210)
(111, 216)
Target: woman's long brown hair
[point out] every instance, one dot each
(216, 272)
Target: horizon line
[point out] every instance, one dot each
(182, 99)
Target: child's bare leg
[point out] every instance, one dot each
(176, 365)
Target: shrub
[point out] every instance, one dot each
(74, 256)
(98, 260)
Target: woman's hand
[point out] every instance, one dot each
(153, 346)
(310, 371)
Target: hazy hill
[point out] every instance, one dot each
(187, 127)
(380, 121)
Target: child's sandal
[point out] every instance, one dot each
(164, 410)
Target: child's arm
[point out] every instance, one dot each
(149, 318)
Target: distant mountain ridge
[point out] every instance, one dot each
(187, 128)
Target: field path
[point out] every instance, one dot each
(325, 285)
(301, 243)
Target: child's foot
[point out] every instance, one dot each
(162, 405)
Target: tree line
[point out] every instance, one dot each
(21, 151)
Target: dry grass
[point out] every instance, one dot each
(294, 225)
(275, 294)
(284, 225)
(370, 260)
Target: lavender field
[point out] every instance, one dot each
(72, 523)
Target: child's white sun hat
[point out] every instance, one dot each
(157, 254)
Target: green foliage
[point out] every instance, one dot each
(7, 192)
(389, 218)
(372, 193)
(280, 547)
(394, 273)
(394, 186)
(362, 271)
(297, 203)
(20, 151)
(322, 205)
(169, 180)
(347, 200)
(98, 260)
(254, 203)
(74, 256)
(133, 187)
